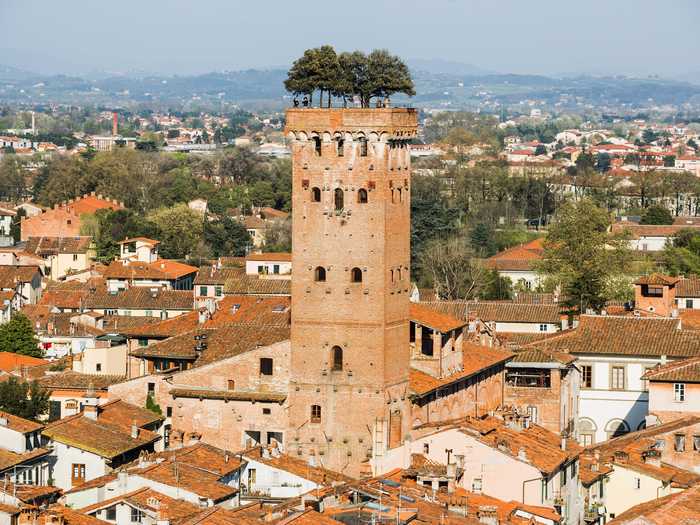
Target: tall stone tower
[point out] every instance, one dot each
(351, 281)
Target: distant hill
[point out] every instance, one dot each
(446, 67)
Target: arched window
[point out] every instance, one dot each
(616, 427)
(320, 274)
(340, 146)
(398, 274)
(393, 195)
(339, 199)
(400, 197)
(356, 275)
(315, 413)
(363, 147)
(317, 145)
(315, 194)
(392, 276)
(336, 359)
(362, 196)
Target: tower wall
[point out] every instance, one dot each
(342, 158)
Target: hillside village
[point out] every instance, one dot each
(366, 313)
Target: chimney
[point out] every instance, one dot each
(563, 443)
(663, 360)
(90, 411)
(522, 455)
(115, 124)
(488, 515)
(134, 432)
(162, 514)
(451, 477)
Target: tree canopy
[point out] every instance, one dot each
(349, 75)
(23, 399)
(17, 336)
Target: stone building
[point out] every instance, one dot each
(351, 282)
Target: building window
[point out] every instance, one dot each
(337, 358)
(362, 196)
(689, 303)
(136, 515)
(340, 147)
(203, 291)
(315, 194)
(75, 257)
(399, 195)
(562, 477)
(317, 145)
(320, 274)
(426, 448)
(645, 382)
(587, 376)
(617, 378)
(528, 377)
(679, 392)
(339, 199)
(653, 291)
(637, 483)
(77, 474)
(111, 514)
(262, 269)
(696, 443)
(266, 411)
(98, 367)
(265, 366)
(231, 384)
(356, 275)
(276, 269)
(151, 388)
(218, 291)
(363, 147)
(168, 411)
(533, 413)
(143, 342)
(543, 328)
(679, 442)
(476, 485)
(315, 413)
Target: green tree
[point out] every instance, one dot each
(13, 185)
(649, 136)
(656, 214)
(581, 257)
(17, 336)
(152, 405)
(24, 399)
(481, 237)
(278, 237)
(540, 149)
(180, 230)
(682, 257)
(226, 237)
(496, 288)
(451, 269)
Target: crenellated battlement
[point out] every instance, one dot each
(375, 124)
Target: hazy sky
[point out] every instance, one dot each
(192, 36)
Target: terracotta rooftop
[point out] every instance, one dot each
(254, 285)
(639, 336)
(648, 230)
(221, 343)
(10, 362)
(203, 456)
(18, 424)
(211, 275)
(657, 279)
(11, 275)
(9, 459)
(165, 328)
(591, 470)
(542, 355)
(228, 395)
(31, 494)
(475, 359)
(270, 256)
(521, 257)
(297, 466)
(431, 318)
(67, 516)
(251, 310)
(503, 312)
(147, 499)
(162, 269)
(144, 240)
(45, 246)
(121, 414)
(198, 480)
(76, 381)
(685, 371)
(99, 437)
(688, 287)
(141, 298)
(683, 507)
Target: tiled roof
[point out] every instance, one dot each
(228, 395)
(649, 230)
(44, 246)
(148, 499)
(216, 276)
(542, 448)
(685, 371)
(99, 437)
(219, 516)
(475, 359)
(200, 481)
(685, 221)
(297, 466)
(76, 381)
(430, 317)
(253, 285)
(165, 328)
(60, 324)
(67, 517)
(202, 455)
(503, 312)
(674, 509)
(221, 343)
(639, 336)
(31, 493)
(122, 415)
(140, 298)
(9, 459)
(657, 279)
(542, 355)
(518, 258)
(270, 256)
(19, 424)
(690, 318)
(11, 275)
(9, 361)
(591, 470)
(535, 298)
(688, 287)
(162, 269)
(251, 310)
(144, 240)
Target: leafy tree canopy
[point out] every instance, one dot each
(23, 399)
(657, 215)
(17, 336)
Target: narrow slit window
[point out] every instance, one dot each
(337, 359)
(339, 199)
(340, 147)
(320, 274)
(317, 146)
(363, 147)
(362, 196)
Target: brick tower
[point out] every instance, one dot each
(351, 281)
